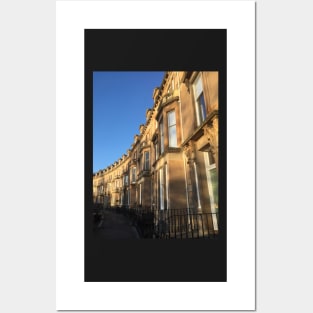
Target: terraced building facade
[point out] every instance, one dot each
(173, 161)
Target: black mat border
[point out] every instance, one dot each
(155, 260)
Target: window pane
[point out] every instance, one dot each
(202, 108)
(146, 160)
(171, 118)
(172, 129)
(198, 86)
(172, 136)
(134, 174)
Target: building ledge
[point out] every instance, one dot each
(144, 174)
(172, 150)
(144, 147)
(198, 132)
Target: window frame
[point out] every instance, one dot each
(133, 176)
(201, 106)
(172, 126)
(214, 202)
(146, 162)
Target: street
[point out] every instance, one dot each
(115, 226)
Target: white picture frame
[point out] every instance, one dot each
(238, 293)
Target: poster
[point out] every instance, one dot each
(234, 291)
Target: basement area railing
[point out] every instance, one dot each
(173, 223)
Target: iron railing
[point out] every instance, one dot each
(173, 223)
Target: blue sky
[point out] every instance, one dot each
(120, 101)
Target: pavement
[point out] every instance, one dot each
(116, 226)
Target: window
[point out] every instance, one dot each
(156, 151)
(126, 180)
(172, 138)
(133, 174)
(161, 136)
(199, 99)
(212, 179)
(147, 163)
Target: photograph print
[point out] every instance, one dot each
(155, 153)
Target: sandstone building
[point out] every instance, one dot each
(173, 160)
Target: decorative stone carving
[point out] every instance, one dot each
(189, 151)
(211, 132)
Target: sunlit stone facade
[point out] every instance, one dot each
(173, 160)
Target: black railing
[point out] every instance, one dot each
(188, 225)
(172, 224)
